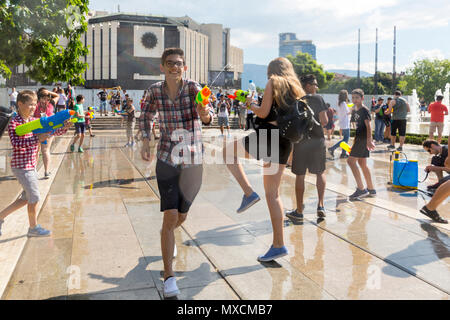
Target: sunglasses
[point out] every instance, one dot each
(171, 64)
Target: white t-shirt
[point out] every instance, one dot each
(344, 117)
(223, 110)
(62, 99)
(13, 96)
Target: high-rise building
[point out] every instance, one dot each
(290, 45)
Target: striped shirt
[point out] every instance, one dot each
(180, 143)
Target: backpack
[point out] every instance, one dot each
(5, 116)
(295, 121)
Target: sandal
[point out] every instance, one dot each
(433, 214)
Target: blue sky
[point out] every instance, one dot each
(423, 28)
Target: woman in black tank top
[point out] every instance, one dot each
(266, 144)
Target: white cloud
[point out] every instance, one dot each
(427, 54)
(245, 39)
(383, 66)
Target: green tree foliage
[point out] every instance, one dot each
(30, 33)
(305, 64)
(427, 76)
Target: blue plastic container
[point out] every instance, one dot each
(406, 174)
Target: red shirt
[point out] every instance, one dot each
(47, 110)
(437, 110)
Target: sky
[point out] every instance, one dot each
(423, 29)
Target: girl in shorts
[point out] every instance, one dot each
(282, 89)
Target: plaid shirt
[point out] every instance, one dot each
(25, 148)
(179, 123)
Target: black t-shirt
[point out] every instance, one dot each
(102, 95)
(360, 116)
(317, 105)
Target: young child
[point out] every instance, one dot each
(24, 160)
(80, 126)
(131, 121)
(361, 146)
(87, 120)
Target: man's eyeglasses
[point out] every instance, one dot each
(171, 64)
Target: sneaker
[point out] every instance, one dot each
(38, 231)
(72, 147)
(391, 146)
(170, 287)
(331, 151)
(80, 149)
(321, 212)
(273, 253)
(372, 192)
(294, 215)
(247, 202)
(1, 222)
(358, 194)
(433, 214)
(92, 135)
(47, 175)
(399, 149)
(343, 156)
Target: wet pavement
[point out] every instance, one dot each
(103, 209)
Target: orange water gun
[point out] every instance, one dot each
(203, 96)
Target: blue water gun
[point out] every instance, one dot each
(46, 124)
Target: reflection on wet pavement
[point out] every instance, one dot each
(103, 208)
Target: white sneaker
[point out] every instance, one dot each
(170, 288)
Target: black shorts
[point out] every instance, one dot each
(400, 125)
(260, 150)
(79, 127)
(438, 161)
(178, 187)
(309, 154)
(359, 148)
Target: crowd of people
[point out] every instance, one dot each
(179, 167)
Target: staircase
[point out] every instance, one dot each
(113, 123)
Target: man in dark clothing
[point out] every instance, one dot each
(311, 153)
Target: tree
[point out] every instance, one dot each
(427, 76)
(30, 33)
(305, 64)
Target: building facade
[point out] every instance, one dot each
(125, 50)
(288, 44)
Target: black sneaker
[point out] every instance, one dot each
(331, 151)
(399, 149)
(343, 156)
(433, 214)
(372, 192)
(391, 146)
(321, 212)
(294, 215)
(359, 194)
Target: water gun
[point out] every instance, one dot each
(345, 147)
(203, 96)
(241, 95)
(121, 113)
(90, 113)
(46, 124)
(350, 105)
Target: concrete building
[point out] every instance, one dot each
(125, 50)
(289, 44)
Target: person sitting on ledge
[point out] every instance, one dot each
(440, 153)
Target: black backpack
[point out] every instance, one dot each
(5, 116)
(295, 121)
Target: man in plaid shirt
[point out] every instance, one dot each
(179, 167)
(23, 162)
